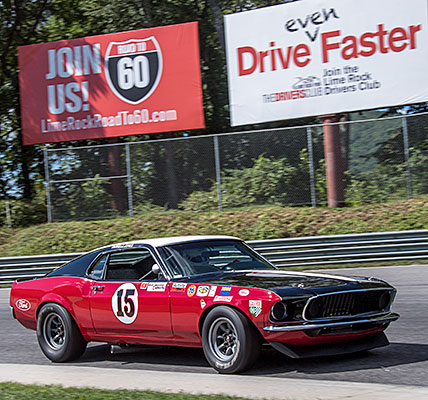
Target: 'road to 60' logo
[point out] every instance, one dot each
(133, 68)
(125, 303)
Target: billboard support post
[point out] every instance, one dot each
(117, 188)
(333, 161)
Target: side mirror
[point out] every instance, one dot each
(155, 269)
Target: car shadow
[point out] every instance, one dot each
(270, 362)
(147, 357)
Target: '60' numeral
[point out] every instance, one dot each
(133, 72)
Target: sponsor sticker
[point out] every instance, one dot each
(191, 290)
(202, 291)
(203, 304)
(143, 285)
(122, 246)
(23, 304)
(156, 287)
(244, 292)
(255, 307)
(178, 287)
(212, 291)
(227, 299)
(225, 290)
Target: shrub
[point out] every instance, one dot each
(268, 181)
(24, 213)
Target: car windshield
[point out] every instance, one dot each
(203, 257)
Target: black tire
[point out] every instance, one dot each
(230, 343)
(59, 337)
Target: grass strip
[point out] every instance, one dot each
(16, 391)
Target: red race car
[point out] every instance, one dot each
(213, 292)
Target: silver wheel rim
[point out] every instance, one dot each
(54, 331)
(223, 339)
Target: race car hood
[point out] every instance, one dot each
(293, 283)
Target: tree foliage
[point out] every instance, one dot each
(258, 169)
(24, 22)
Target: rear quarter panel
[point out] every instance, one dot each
(72, 293)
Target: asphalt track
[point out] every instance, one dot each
(404, 362)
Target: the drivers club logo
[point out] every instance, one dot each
(133, 68)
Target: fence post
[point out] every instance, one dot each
(407, 157)
(8, 216)
(48, 188)
(129, 180)
(311, 167)
(217, 172)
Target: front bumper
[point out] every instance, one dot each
(374, 321)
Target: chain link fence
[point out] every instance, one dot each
(383, 159)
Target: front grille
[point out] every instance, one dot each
(347, 304)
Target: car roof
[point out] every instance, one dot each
(166, 241)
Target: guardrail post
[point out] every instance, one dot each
(407, 157)
(218, 172)
(48, 188)
(129, 180)
(311, 167)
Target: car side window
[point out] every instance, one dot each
(130, 266)
(97, 272)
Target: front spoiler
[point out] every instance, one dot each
(331, 349)
(304, 326)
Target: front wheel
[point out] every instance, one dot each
(230, 343)
(59, 337)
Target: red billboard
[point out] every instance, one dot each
(126, 83)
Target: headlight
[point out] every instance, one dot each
(278, 311)
(384, 300)
(315, 309)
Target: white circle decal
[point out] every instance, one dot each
(125, 303)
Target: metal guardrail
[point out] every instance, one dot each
(284, 253)
(12, 268)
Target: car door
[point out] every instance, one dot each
(127, 299)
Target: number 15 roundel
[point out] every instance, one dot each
(125, 303)
(133, 68)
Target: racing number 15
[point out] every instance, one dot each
(129, 303)
(124, 303)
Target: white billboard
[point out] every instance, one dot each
(318, 57)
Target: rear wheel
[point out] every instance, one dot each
(231, 344)
(59, 337)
